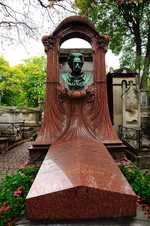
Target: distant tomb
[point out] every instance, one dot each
(118, 81)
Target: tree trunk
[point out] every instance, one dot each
(145, 74)
(138, 43)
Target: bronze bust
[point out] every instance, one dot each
(76, 79)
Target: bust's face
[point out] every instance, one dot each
(77, 65)
(76, 62)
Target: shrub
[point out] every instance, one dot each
(140, 181)
(13, 191)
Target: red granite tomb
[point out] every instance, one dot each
(78, 178)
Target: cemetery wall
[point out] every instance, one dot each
(19, 123)
(30, 116)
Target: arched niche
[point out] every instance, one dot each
(76, 45)
(76, 27)
(96, 115)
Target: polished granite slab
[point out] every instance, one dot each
(79, 180)
(139, 220)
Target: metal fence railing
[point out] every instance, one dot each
(132, 136)
(12, 129)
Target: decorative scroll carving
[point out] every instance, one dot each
(103, 42)
(48, 42)
(97, 117)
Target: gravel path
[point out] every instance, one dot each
(14, 159)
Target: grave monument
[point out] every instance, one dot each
(78, 178)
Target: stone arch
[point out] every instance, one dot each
(55, 119)
(75, 27)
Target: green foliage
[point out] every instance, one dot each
(34, 85)
(84, 5)
(148, 85)
(140, 181)
(11, 85)
(13, 191)
(128, 25)
(107, 19)
(22, 85)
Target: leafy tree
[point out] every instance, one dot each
(11, 79)
(128, 24)
(3, 73)
(34, 83)
(22, 85)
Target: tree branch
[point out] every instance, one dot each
(12, 23)
(8, 7)
(63, 7)
(42, 4)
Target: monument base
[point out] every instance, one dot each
(78, 179)
(80, 203)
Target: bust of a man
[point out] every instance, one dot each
(76, 79)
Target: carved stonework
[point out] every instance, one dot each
(48, 42)
(103, 42)
(97, 113)
(78, 178)
(131, 105)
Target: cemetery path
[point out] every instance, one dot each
(13, 159)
